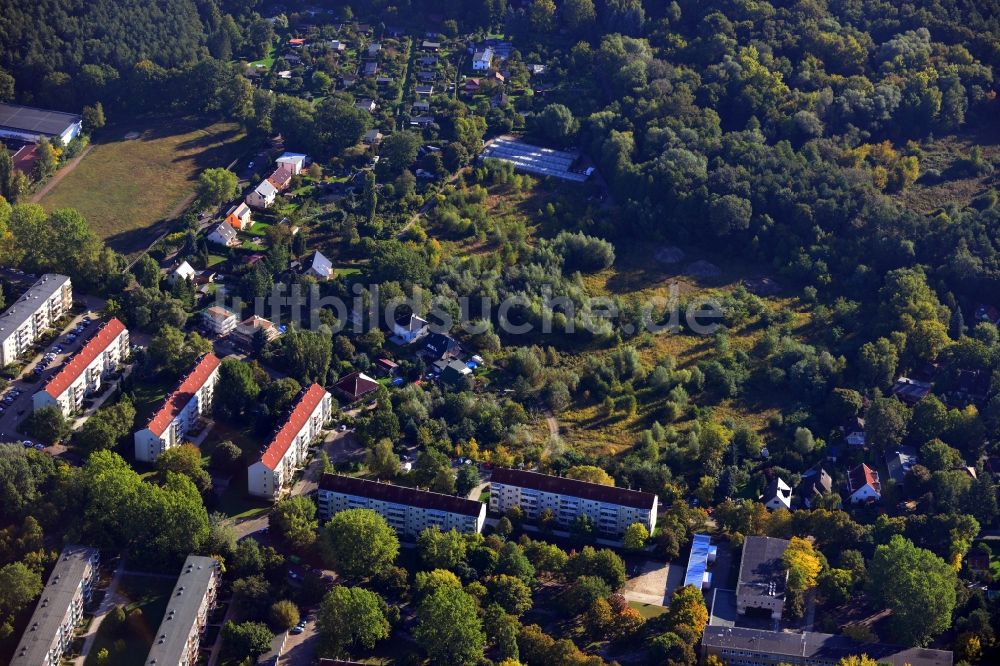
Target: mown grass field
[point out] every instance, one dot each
(124, 186)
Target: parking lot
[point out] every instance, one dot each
(16, 400)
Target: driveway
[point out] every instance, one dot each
(300, 649)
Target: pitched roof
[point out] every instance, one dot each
(293, 425)
(387, 492)
(584, 489)
(63, 379)
(185, 270)
(815, 482)
(439, 344)
(777, 488)
(411, 322)
(861, 476)
(219, 313)
(281, 176)
(266, 189)
(321, 264)
(226, 231)
(900, 461)
(176, 401)
(356, 385)
(239, 210)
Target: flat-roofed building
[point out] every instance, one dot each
(290, 445)
(37, 309)
(702, 555)
(26, 123)
(535, 160)
(737, 646)
(178, 638)
(60, 607)
(180, 412)
(610, 509)
(762, 578)
(408, 510)
(84, 373)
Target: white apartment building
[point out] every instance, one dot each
(37, 309)
(290, 446)
(180, 411)
(611, 509)
(177, 640)
(85, 372)
(51, 628)
(408, 510)
(219, 320)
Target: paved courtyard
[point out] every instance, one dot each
(652, 582)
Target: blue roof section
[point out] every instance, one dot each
(701, 550)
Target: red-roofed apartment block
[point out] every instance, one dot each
(84, 372)
(288, 450)
(180, 412)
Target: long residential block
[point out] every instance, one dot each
(290, 445)
(60, 608)
(611, 510)
(177, 640)
(737, 646)
(180, 411)
(408, 510)
(37, 309)
(84, 373)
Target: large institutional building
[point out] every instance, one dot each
(736, 646)
(408, 510)
(85, 372)
(177, 640)
(50, 629)
(610, 509)
(36, 310)
(180, 412)
(287, 451)
(762, 577)
(26, 123)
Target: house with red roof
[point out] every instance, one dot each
(355, 386)
(863, 485)
(84, 373)
(180, 412)
(289, 447)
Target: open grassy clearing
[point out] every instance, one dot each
(640, 275)
(124, 186)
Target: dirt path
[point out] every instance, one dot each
(37, 196)
(552, 443)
